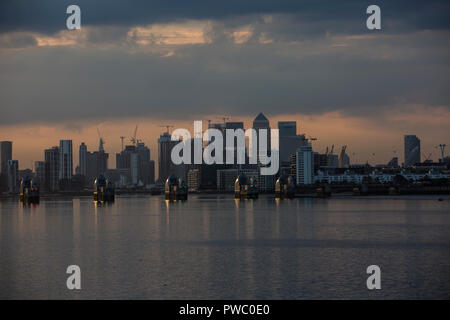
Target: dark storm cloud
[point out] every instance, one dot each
(49, 16)
(60, 84)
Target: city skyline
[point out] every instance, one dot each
(149, 134)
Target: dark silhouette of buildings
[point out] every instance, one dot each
(51, 165)
(135, 162)
(412, 150)
(5, 156)
(13, 176)
(261, 122)
(92, 164)
(65, 160)
(289, 141)
(165, 164)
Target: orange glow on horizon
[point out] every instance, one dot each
(362, 136)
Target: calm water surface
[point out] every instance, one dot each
(213, 247)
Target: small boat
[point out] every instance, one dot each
(284, 187)
(245, 188)
(29, 191)
(175, 188)
(103, 189)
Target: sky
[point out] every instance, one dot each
(152, 63)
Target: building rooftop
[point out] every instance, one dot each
(261, 117)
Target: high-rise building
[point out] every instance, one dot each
(233, 149)
(5, 156)
(83, 159)
(52, 167)
(165, 164)
(13, 175)
(101, 158)
(412, 150)
(144, 164)
(65, 160)
(305, 165)
(136, 159)
(289, 141)
(134, 167)
(293, 165)
(92, 164)
(261, 122)
(123, 159)
(287, 128)
(208, 173)
(321, 160)
(39, 168)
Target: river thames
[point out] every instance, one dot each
(215, 247)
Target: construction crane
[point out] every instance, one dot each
(134, 138)
(332, 149)
(121, 138)
(167, 128)
(427, 157)
(101, 141)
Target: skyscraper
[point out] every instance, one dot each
(83, 159)
(13, 175)
(287, 128)
(5, 156)
(101, 159)
(52, 169)
(305, 165)
(65, 160)
(234, 150)
(261, 122)
(165, 145)
(136, 160)
(92, 164)
(134, 167)
(289, 140)
(412, 150)
(144, 164)
(39, 168)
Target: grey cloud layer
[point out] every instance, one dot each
(64, 83)
(321, 59)
(342, 16)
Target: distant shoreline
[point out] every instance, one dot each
(305, 195)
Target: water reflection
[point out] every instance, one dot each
(218, 247)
